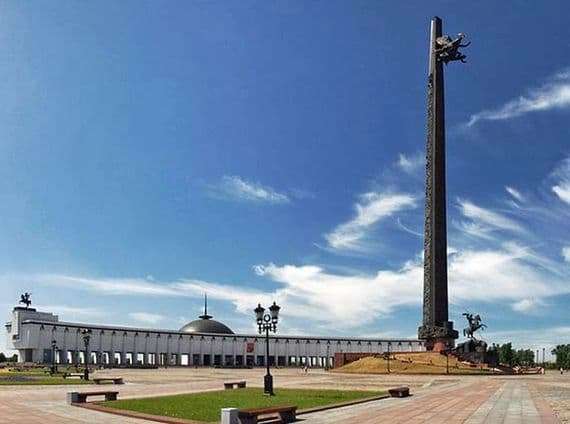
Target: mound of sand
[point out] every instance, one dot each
(416, 363)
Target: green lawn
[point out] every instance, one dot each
(35, 377)
(206, 406)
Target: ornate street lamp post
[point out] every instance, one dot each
(267, 322)
(446, 352)
(86, 334)
(53, 353)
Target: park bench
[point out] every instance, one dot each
(399, 392)
(287, 414)
(114, 380)
(81, 397)
(234, 384)
(79, 375)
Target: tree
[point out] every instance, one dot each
(562, 353)
(506, 354)
(524, 357)
(2, 357)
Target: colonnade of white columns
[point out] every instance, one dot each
(120, 346)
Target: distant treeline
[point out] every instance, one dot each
(511, 357)
(562, 353)
(4, 358)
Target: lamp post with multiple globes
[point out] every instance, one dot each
(53, 355)
(267, 322)
(86, 335)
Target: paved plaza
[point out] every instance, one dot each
(449, 399)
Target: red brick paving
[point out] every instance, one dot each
(447, 400)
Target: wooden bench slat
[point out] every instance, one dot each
(399, 391)
(231, 384)
(81, 397)
(287, 414)
(115, 380)
(268, 410)
(98, 393)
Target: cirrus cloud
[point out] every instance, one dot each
(483, 220)
(562, 186)
(146, 317)
(233, 187)
(554, 94)
(371, 208)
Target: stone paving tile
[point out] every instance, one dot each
(445, 399)
(46, 404)
(545, 408)
(448, 404)
(512, 403)
(491, 402)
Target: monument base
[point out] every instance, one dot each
(438, 338)
(439, 345)
(476, 351)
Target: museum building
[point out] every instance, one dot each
(39, 336)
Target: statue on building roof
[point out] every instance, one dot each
(26, 299)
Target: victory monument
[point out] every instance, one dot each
(437, 330)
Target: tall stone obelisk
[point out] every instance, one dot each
(437, 330)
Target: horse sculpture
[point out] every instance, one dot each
(474, 325)
(26, 299)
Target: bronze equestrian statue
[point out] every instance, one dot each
(474, 325)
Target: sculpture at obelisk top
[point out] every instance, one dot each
(437, 330)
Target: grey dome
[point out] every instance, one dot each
(206, 326)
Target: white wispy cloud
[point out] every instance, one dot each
(73, 312)
(371, 208)
(308, 292)
(527, 305)
(562, 186)
(146, 317)
(505, 274)
(241, 297)
(107, 286)
(311, 291)
(233, 187)
(566, 253)
(411, 163)
(509, 274)
(554, 94)
(407, 229)
(485, 220)
(517, 195)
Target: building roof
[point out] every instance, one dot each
(208, 325)
(314, 338)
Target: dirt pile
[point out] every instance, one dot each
(411, 363)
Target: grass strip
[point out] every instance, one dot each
(205, 406)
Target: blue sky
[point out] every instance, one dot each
(274, 150)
